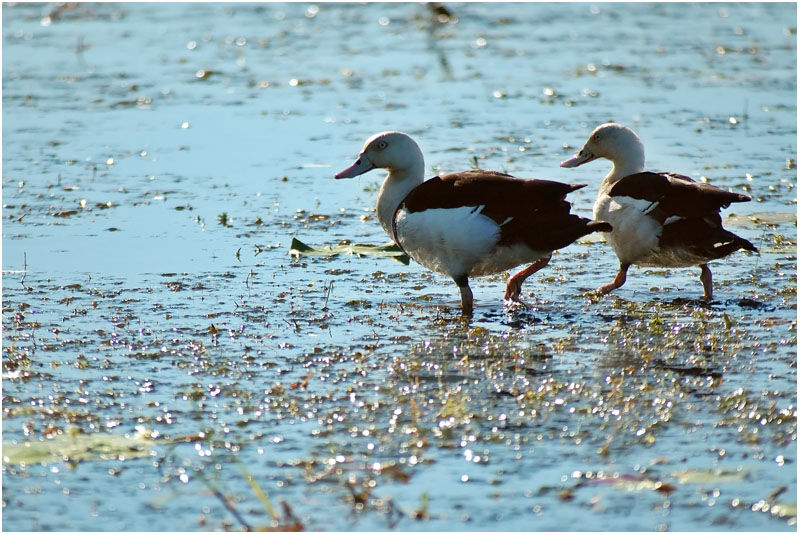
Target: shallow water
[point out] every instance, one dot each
(159, 159)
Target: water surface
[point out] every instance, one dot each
(159, 159)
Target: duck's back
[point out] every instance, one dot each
(484, 222)
(667, 219)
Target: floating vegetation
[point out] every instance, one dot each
(73, 446)
(224, 220)
(389, 250)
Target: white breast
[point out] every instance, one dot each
(447, 240)
(457, 241)
(635, 235)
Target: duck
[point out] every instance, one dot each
(661, 219)
(471, 223)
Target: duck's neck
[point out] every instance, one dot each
(398, 184)
(627, 162)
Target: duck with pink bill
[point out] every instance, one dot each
(471, 223)
(659, 219)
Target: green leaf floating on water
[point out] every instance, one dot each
(784, 509)
(76, 447)
(711, 476)
(388, 250)
(760, 219)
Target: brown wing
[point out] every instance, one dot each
(675, 195)
(530, 211)
(500, 194)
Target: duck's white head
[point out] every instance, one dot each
(394, 151)
(614, 142)
(401, 156)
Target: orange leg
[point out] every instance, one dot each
(618, 281)
(705, 278)
(514, 285)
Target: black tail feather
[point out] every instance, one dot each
(573, 228)
(746, 245)
(599, 226)
(706, 238)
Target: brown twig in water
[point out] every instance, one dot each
(24, 268)
(328, 293)
(215, 491)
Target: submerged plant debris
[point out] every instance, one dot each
(389, 250)
(167, 366)
(72, 446)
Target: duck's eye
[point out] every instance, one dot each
(597, 137)
(382, 145)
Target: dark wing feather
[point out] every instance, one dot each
(705, 237)
(500, 194)
(675, 195)
(530, 211)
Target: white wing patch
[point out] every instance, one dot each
(653, 206)
(642, 205)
